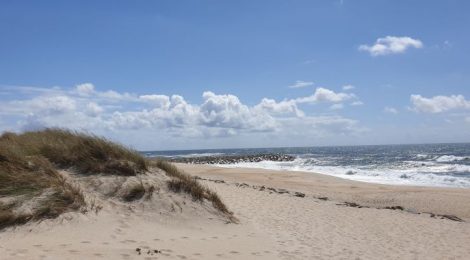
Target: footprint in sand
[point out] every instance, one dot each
(234, 252)
(85, 242)
(127, 241)
(181, 257)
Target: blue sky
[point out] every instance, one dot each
(213, 74)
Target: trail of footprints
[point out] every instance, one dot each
(135, 249)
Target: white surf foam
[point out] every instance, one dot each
(414, 173)
(451, 158)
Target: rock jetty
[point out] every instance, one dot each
(232, 159)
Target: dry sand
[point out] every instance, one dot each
(272, 225)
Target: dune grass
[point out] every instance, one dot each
(31, 187)
(33, 179)
(88, 154)
(183, 182)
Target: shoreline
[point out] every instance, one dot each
(226, 166)
(438, 200)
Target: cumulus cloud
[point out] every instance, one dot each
(93, 109)
(172, 117)
(301, 84)
(161, 101)
(285, 107)
(438, 104)
(228, 112)
(326, 95)
(391, 45)
(348, 87)
(390, 110)
(85, 89)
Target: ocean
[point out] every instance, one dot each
(443, 165)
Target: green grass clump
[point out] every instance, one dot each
(25, 179)
(88, 154)
(29, 164)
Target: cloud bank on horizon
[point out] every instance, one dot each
(217, 116)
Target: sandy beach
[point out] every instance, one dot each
(282, 215)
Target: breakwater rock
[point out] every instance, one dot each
(232, 159)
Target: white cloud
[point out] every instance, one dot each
(114, 96)
(171, 119)
(391, 45)
(161, 101)
(49, 105)
(348, 87)
(438, 104)
(85, 89)
(286, 107)
(301, 84)
(325, 95)
(390, 110)
(227, 111)
(94, 109)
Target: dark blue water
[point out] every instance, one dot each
(426, 164)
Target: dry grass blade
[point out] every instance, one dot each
(183, 182)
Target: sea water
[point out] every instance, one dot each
(445, 165)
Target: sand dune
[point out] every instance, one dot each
(275, 223)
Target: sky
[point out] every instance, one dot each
(164, 75)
